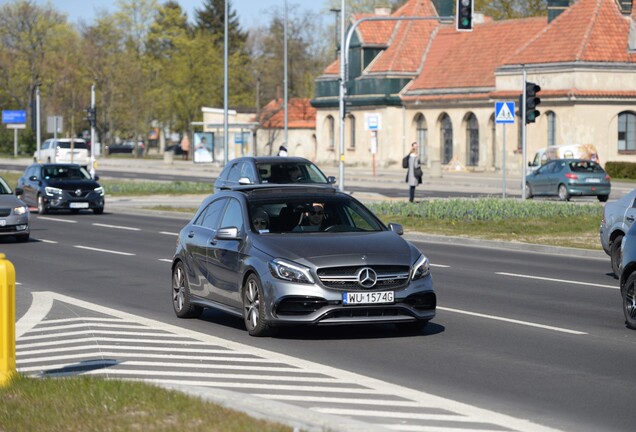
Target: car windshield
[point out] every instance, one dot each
(65, 172)
(290, 172)
(311, 215)
(585, 166)
(5, 189)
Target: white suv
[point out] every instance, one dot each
(63, 150)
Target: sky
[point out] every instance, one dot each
(250, 13)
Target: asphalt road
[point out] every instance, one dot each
(522, 340)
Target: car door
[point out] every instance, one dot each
(199, 237)
(541, 178)
(30, 184)
(224, 256)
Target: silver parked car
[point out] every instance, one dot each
(295, 255)
(628, 277)
(618, 217)
(14, 214)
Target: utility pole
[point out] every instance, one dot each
(93, 121)
(286, 83)
(225, 83)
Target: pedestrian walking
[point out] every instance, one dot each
(413, 170)
(282, 151)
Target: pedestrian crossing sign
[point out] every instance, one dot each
(504, 112)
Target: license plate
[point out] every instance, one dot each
(357, 298)
(76, 205)
(592, 180)
(3, 222)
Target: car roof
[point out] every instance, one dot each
(67, 139)
(272, 159)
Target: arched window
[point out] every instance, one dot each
(472, 139)
(352, 131)
(421, 137)
(627, 132)
(447, 139)
(331, 125)
(551, 128)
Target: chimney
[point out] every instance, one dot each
(382, 10)
(555, 7)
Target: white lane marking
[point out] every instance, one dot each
(116, 227)
(344, 401)
(439, 265)
(557, 280)
(513, 321)
(104, 250)
(391, 414)
(382, 387)
(168, 233)
(165, 260)
(47, 241)
(57, 220)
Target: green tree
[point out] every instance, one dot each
(211, 19)
(507, 9)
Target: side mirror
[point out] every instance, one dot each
(19, 191)
(228, 233)
(331, 180)
(396, 228)
(33, 178)
(244, 181)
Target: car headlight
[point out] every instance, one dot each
(421, 268)
(20, 210)
(50, 191)
(99, 190)
(289, 271)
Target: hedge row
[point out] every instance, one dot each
(621, 170)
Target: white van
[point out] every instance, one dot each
(568, 151)
(63, 150)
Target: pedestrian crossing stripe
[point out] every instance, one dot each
(504, 112)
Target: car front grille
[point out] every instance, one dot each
(366, 312)
(83, 193)
(5, 212)
(346, 278)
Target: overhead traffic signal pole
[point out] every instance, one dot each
(344, 49)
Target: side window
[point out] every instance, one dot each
(235, 173)
(210, 217)
(46, 145)
(233, 216)
(247, 170)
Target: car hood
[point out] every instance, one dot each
(331, 249)
(73, 184)
(9, 200)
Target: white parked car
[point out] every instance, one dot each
(63, 150)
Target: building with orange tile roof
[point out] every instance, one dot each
(432, 84)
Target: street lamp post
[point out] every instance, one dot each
(286, 73)
(225, 84)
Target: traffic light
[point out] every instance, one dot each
(532, 100)
(464, 15)
(91, 116)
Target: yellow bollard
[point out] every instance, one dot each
(7, 320)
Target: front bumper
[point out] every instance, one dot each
(290, 304)
(67, 202)
(14, 225)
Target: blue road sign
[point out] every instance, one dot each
(504, 112)
(13, 116)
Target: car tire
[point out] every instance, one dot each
(254, 307)
(603, 198)
(628, 292)
(181, 301)
(528, 191)
(22, 238)
(41, 205)
(412, 327)
(563, 193)
(616, 256)
(98, 210)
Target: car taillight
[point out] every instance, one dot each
(607, 177)
(571, 176)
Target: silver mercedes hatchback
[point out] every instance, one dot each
(299, 255)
